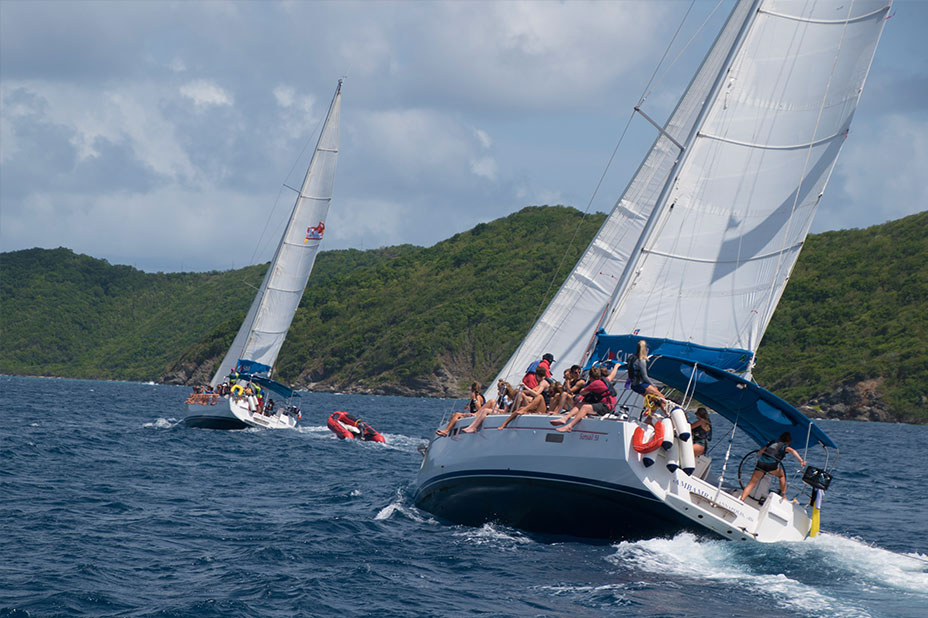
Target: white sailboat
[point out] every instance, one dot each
(247, 367)
(693, 259)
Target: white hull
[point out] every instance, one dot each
(587, 483)
(233, 413)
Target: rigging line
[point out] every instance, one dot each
(805, 165)
(602, 177)
(267, 220)
(679, 54)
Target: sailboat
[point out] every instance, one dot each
(693, 260)
(242, 392)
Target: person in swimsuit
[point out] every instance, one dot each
(505, 396)
(476, 402)
(768, 461)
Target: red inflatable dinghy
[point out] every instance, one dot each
(344, 426)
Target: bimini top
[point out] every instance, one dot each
(757, 411)
(281, 390)
(618, 347)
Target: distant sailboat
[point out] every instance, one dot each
(693, 260)
(248, 365)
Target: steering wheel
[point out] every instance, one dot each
(745, 458)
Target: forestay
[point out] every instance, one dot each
(262, 333)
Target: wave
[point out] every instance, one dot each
(400, 505)
(162, 423)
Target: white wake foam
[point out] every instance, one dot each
(723, 562)
(162, 423)
(490, 534)
(874, 565)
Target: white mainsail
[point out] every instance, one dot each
(700, 246)
(265, 326)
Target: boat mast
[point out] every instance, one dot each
(632, 266)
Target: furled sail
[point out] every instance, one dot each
(701, 244)
(262, 333)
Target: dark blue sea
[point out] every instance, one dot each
(110, 507)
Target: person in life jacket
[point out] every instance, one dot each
(598, 397)
(638, 379)
(701, 429)
(768, 461)
(530, 379)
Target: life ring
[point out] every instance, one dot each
(238, 390)
(646, 447)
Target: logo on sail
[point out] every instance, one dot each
(315, 233)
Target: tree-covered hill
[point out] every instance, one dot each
(852, 326)
(849, 337)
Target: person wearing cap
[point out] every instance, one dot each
(529, 379)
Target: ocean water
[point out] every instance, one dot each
(110, 507)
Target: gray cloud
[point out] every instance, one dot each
(160, 134)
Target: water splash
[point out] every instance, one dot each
(494, 535)
(162, 423)
(401, 506)
(740, 566)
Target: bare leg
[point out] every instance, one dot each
(454, 419)
(698, 449)
(779, 474)
(584, 410)
(565, 417)
(488, 408)
(510, 419)
(557, 403)
(755, 479)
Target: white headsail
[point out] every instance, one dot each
(701, 244)
(262, 333)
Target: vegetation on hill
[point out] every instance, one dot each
(71, 315)
(850, 331)
(855, 313)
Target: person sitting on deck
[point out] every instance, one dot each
(537, 398)
(559, 397)
(598, 397)
(701, 430)
(530, 379)
(505, 397)
(476, 402)
(768, 461)
(638, 379)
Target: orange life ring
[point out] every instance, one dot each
(650, 445)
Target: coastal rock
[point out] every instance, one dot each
(851, 401)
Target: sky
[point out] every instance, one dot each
(162, 135)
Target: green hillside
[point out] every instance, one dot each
(855, 313)
(850, 334)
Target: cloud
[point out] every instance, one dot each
(205, 93)
(880, 175)
(130, 129)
